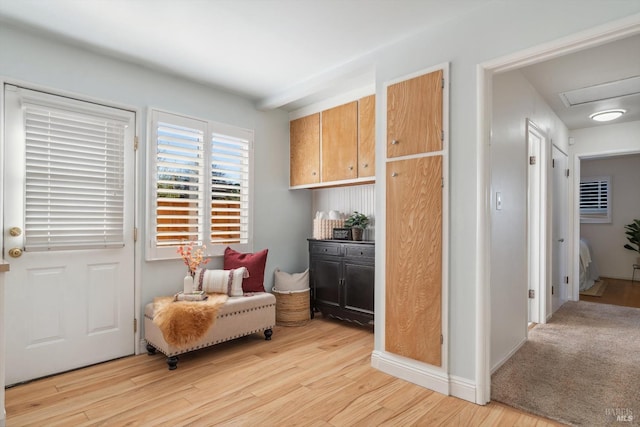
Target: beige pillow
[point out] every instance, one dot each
(284, 281)
(221, 281)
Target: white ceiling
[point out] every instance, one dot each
(602, 64)
(283, 53)
(262, 49)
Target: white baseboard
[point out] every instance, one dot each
(142, 346)
(462, 388)
(508, 356)
(421, 374)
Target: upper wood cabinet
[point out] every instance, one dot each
(335, 146)
(340, 143)
(414, 115)
(367, 136)
(304, 161)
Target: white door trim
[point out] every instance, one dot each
(595, 36)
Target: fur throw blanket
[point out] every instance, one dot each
(183, 323)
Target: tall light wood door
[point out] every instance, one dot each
(68, 234)
(414, 115)
(304, 161)
(413, 324)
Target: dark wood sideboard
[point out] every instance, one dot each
(342, 276)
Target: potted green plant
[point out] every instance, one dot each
(357, 222)
(633, 236)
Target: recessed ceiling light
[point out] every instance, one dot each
(607, 115)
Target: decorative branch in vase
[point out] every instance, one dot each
(192, 258)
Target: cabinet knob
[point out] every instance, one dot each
(350, 168)
(394, 142)
(394, 174)
(313, 173)
(366, 165)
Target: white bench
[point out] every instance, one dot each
(239, 316)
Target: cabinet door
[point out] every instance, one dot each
(326, 281)
(367, 136)
(414, 115)
(413, 324)
(304, 162)
(358, 287)
(340, 142)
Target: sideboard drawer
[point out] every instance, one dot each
(325, 249)
(360, 251)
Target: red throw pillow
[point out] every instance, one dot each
(255, 263)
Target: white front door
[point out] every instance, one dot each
(68, 233)
(559, 220)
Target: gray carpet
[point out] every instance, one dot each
(582, 368)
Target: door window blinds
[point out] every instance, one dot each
(74, 188)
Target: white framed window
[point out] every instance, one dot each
(201, 185)
(595, 199)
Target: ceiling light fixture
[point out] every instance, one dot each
(607, 115)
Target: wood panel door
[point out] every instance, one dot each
(414, 115)
(413, 325)
(340, 142)
(304, 162)
(367, 136)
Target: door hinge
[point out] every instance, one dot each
(442, 182)
(552, 290)
(443, 83)
(441, 339)
(566, 279)
(532, 293)
(136, 141)
(532, 160)
(553, 163)
(566, 172)
(135, 234)
(442, 135)
(135, 325)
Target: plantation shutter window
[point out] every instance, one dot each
(229, 189)
(74, 178)
(595, 199)
(202, 185)
(180, 181)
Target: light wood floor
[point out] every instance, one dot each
(316, 375)
(618, 292)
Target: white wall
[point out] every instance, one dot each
(607, 240)
(281, 216)
(514, 101)
(498, 29)
(359, 198)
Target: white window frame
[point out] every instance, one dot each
(602, 214)
(209, 129)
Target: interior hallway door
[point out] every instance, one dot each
(560, 218)
(68, 233)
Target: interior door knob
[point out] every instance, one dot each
(15, 252)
